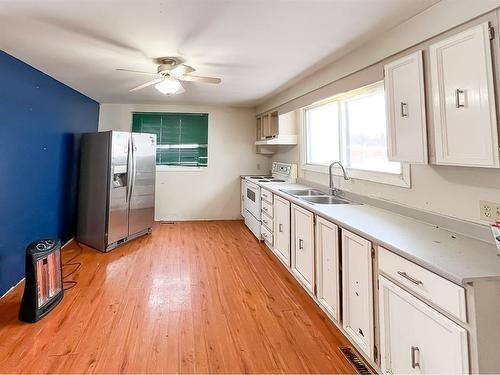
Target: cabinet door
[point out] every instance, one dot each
(266, 125)
(327, 266)
(357, 284)
(282, 229)
(405, 101)
(465, 125)
(415, 338)
(242, 197)
(303, 246)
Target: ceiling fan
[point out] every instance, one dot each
(168, 76)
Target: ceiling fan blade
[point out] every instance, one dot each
(137, 71)
(199, 79)
(180, 70)
(146, 84)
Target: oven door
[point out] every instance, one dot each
(252, 199)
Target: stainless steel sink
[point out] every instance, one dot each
(304, 192)
(326, 199)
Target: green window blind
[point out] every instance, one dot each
(182, 138)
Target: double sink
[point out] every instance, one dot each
(316, 196)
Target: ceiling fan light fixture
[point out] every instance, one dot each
(168, 86)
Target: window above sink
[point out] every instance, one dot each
(351, 128)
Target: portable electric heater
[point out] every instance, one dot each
(43, 288)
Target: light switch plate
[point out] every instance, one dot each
(489, 211)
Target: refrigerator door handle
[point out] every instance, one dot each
(129, 171)
(134, 167)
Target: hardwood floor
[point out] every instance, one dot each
(193, 297)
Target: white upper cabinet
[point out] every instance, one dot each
(282, 229)
(465, 126)
(357, 296)
(415, 338)
(327, 266)
(303, 246)
(277, 129)
(405, 101)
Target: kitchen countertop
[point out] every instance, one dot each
(453, 256)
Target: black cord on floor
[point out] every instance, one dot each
(70, 263)
(71, 282)
(80, 250)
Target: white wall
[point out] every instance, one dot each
(207, 193)
(433, 21)
(446, 190)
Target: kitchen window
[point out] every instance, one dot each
(351, 128)
(182, 138)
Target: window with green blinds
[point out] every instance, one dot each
(182, 138)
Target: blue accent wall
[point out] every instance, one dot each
(41, 121)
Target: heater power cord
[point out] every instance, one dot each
(71, 263)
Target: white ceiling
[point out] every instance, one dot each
(257, 47)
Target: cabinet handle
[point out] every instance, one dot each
(409, 278)
(280, 227)
(264, 208)
(301, 244)
(459, 93)
(404, 109)
(414, 351)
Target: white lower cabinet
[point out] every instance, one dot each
(415, 338)
(327, 266)
(357, 299)
(282, 229)
(303, 246)
(242, 198)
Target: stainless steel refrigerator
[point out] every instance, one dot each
(116, 188)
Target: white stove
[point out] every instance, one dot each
(281, 173)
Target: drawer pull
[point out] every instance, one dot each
(264, 208)
(404, 109)
(409, 278)
(280, 227)
(458, 95)
(301, 244)
(414, 351)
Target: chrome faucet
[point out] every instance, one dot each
(333, 189)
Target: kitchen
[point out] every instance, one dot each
(332, 212)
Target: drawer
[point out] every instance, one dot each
(268, 222)
(424, 283)
(267, 236)
(267, 208)
(266, 195)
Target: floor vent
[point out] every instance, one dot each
(355, 360)
(166, 222)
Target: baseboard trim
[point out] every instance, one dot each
(199, 219)
(12, 288)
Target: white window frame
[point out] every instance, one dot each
(402, 180)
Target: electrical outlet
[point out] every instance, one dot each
(490, 211)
